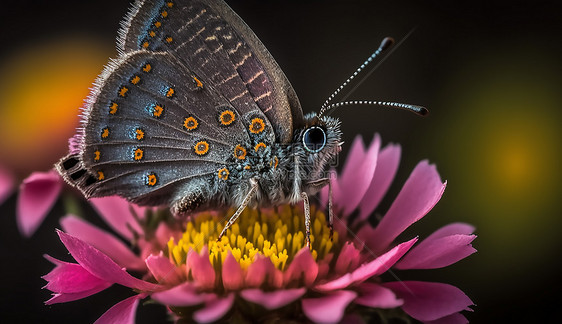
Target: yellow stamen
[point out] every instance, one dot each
(277, 235)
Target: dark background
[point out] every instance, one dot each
(490, 73)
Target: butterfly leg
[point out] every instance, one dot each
(330, 211)
(241, 208)
(316, 186)
(304, 197)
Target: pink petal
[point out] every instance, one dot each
(38, 194)
(263, 269)
(435, 251)
(68, 297)
(103, 241)
(164, 234)
(452, 229)
(353, 162)
(214, 309)
(6, 184)
(74, 143)
(365, 234)
(100, 265)
(376, 296)
(72, 278)
(355, 183)
(274, 299)
(201, 269)
(354, 157)
(451, 319)
(324, 265)
(183, 295)
(116, 211)
(373, 268)
(302, 266)
(438, 252)
(163, 270)
(329, 308)
(428, 301)
(232, 276)
(121, 313)
(348, 259)
(420, 193)
(387, 165)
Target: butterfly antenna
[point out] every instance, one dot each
(386, 43)
(419, 110)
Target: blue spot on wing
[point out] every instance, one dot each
(153, 14)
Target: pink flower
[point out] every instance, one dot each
(263, 261)
(37, 195)
(362, 186)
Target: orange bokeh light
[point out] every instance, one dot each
(42, 87)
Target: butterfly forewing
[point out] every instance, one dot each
(209, 37)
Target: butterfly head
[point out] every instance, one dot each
(320, 143)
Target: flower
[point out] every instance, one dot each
(37, 195)
(261, 269)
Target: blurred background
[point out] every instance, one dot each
(490, 72)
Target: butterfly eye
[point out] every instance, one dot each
(314, 139)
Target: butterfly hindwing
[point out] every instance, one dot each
(142, 130)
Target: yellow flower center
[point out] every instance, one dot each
(277, 235)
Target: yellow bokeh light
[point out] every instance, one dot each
(42, 87)
(502, 157)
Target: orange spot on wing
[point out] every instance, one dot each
(170, 92)
(239, 152)
(101, 175)
(151, 179)
(105, 133)
(139, 153)
(201, 148)
(113, 108)
(147, 67)
(198, 83)
(123, 91)
(97, 155)
(260, 145)
(227, 117)
(257, 126)
(158, 110)
(139, 134)
(190, 123)
(223, 174)
(135, 80)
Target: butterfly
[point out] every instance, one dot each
(194, 114)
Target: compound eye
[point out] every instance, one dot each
(314, 139)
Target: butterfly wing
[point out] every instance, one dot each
(154, 120)
(195, 31)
